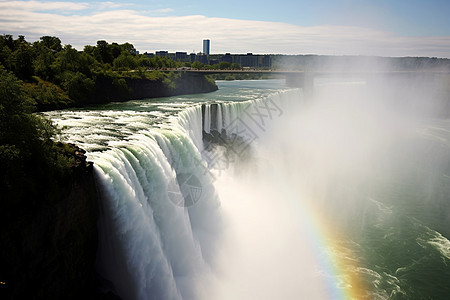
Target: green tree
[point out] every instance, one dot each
(88, 49)
(128, 48)
(235, 66)
(197, 65)
(7, 40)
(105, 52)
(5, 55)
(14, 110)
(79, 87)
(22, 59)
(144, 61)
(47, 95)
(116, 50)
(87, 64)
(51, 42)
(23, 138)
(125, 61)
(42, 64)
(223, 65)
(67, 60)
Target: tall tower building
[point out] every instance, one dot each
(206, 45)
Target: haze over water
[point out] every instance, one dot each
(342, 195)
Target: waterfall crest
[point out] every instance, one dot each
(160, 214)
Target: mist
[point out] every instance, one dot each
(331, 160)
(264, 191)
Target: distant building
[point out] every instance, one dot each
(213, 61)
(265, 61)
(162, 53)
(203, 58)
(206, 47)
(181, 56)
(227, 58)
(149, 55)
(249, 60)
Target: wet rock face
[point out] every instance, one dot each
(48, 250)
(79, 155)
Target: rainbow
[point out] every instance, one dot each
(337, 262)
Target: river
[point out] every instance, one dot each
(256, 192)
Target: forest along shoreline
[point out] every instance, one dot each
(57, 77)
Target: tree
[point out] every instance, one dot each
(235, 66)
(23, 137)
(197, 65)
(8, 41)
(223, 65)
(128, 48)
(67, 60)
(43, 61)
(51, 42)
(5, 56)
(22, 61)
(144, 61)
(125, 61)
(47, 95)
(105, 52)
(79, 87)
(87, 64)
(116, 50)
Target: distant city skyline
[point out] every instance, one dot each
(330, 27)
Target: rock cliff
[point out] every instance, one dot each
(140, 88)
(48, 250)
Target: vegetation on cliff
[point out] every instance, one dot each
(48, 216)
(27, 152)
(57, 76)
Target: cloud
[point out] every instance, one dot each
(58, 6)
(107, 5)
(163, 10)
(185, 33)
(41, 6)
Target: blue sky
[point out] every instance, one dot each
(340, 27)
(407, 17)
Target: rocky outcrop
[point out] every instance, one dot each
(48, 250)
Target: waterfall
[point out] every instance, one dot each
(252, 192)
(159, 212)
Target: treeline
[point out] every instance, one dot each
(47, 220)
(223, 65)
(38, 174)
(31, 163)
(57, 76)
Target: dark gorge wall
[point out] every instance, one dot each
(108, 89)
(48, 248)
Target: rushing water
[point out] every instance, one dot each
(344, 195)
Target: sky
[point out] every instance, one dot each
(326, 27)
